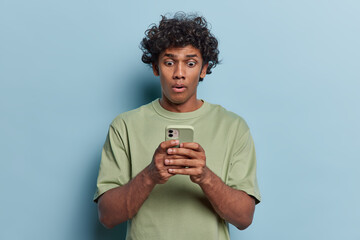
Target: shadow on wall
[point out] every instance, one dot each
(118, 232)
(140, 90)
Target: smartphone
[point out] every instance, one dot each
(183, 133)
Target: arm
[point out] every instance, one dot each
(122, 203)
(233, 205)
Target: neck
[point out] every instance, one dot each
(182, 107)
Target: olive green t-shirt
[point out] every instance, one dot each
(178, 209)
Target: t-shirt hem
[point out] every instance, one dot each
(101, 191)
(251, 193)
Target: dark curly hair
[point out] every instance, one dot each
(180, 31)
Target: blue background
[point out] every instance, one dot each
(290, 68)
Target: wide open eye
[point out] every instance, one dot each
(191, 64)
(169, 63)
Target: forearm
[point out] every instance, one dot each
(233, 205)
(122, 203)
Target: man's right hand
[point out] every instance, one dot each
(157, 170)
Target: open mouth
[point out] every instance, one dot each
(178, 88)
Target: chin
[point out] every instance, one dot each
(175, 99)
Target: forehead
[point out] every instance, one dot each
(181, 52)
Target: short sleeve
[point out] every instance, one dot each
(242, 169)
(114, 168)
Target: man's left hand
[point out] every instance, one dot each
(194, 162)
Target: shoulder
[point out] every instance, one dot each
(228, 117)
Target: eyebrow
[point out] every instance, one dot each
(174, 56)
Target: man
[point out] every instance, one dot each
(189, 192)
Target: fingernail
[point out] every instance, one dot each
(167, 161)
(170, 150)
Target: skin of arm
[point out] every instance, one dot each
(122, 203)
(232, 205)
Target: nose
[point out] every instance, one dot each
(179, 71)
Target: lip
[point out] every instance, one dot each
(178, 88)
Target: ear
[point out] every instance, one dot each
(155, 69)
(203, 70)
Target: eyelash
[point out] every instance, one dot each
(169, 63)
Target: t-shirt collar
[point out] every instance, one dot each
(176, 115)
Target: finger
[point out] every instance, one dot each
(159, 162)
(183, 151)
(164, 178)
(185, 171)
(185, 162)
(162, 174)
(192, 145)
(167, 144)
(175, 156)
(173, 166)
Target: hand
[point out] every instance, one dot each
(193, 159)
(157, 170)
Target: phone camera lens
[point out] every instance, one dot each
(170, 135)
(171, 131)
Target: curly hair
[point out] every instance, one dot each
(180, 31)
